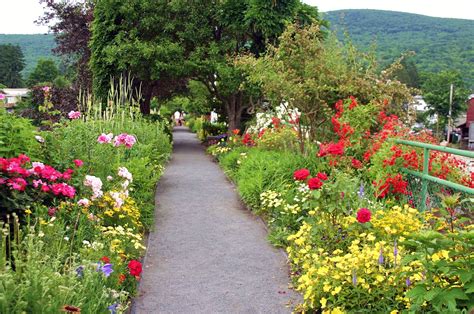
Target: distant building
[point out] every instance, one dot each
(467, 125)
(13, 96)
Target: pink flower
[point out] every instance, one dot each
(363, 215)
(63, 189)
(73, 115)
(95, 184)
(124, 139)
(18, 184)
(45, 89)
(67, 174)
(83, 202)
(105, 138)
(51, 211)
(78, 162)
(2, 96)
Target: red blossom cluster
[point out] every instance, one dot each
(16, 175)
(313, 183)
(392, 185)
(247, 140)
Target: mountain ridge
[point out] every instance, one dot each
(439, 43)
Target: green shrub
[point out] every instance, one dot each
(17, 136)
(78, 140)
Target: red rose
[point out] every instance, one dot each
(314, 183)
(301, 174)
(322, 176)
(105, 259)
(363, 215)
(356, 163)
(135, 268)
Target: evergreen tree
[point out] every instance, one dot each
(11, 64)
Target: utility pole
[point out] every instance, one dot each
(451, 90)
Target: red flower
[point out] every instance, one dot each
(363, 215)
(322, 176)
(301, 174)
(105, 259)
(260, 134)
(236, 131)
(276, 122)
(314, 183)
(356, 163)
(121, 278)
(78, 162)
(135, 268)
(247, 140)
(331, 149)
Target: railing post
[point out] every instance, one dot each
(424, 182)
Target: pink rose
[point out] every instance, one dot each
(105, 138)
(73, 115)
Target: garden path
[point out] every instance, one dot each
(208, 254)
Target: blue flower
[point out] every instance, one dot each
(113, 308)
(80, 271)
(361, 192)
(107, 269)
(381, 258)
(354, 278)
(408, 282)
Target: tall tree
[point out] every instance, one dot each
(436, 89)
(138, 38)
(45, 71)
(11, 64)
(182, 40)
(70, 21)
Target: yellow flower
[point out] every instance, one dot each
(336, 290)
(337, 310)
(323, 301)
(28, 211)
(327, 288)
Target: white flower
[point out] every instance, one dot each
(39, 138)
(110, 178)
(66, 238)
(118, 200)
(96, 185)
(124, 173)
(86, 243)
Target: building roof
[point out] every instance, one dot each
(15, 92)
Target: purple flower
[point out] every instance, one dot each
(80, 271)
(107, 269)
(354, 278)
(113, 308)
(395, 251)
(408, 282)
(361, 192)
(381, 258)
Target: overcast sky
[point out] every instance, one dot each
(18, 15)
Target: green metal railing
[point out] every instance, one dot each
(426, 177)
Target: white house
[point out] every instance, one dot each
(13, 95)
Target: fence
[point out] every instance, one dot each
(426, 178)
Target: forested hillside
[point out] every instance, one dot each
(439, 43)
(34, 46)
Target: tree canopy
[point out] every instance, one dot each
(182, 40)
(11, 64)
(45, 71)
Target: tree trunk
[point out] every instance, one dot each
(146, 100)
(235, 107)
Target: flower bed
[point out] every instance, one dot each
(74, 215)
(347, 218)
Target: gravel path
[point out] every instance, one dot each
(208, 254)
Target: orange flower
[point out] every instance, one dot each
(236, 131)
(121, 278)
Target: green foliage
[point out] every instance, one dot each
(17, 136)
(11, 64)
(78, 140)
(259, 170)
(45, 71)
(440, 44)
(34, 47)
(436, 90)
